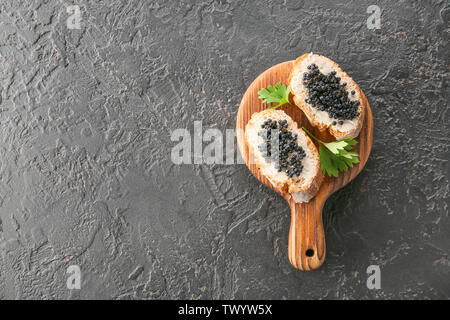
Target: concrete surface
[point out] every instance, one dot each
(85, 170)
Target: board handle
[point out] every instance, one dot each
(306, 235)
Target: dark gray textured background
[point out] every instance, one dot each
(85, 169)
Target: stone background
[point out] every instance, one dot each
(85, 169)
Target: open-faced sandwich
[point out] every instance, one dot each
(330, 99)
(284, 153)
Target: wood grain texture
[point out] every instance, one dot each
(306, 247)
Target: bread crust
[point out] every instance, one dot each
(306, 189)
(299, 101)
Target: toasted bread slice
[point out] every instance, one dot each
(302, 187)
(339, 128)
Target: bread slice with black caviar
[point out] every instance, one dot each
(291, 163)
(330, 99)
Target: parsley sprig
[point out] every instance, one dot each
(275, 94)
(336, 156)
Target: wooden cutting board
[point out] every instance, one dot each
(306, 247)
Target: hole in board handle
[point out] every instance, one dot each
(309, 252)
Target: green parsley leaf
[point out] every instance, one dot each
(326, 163)
(336, 146)
(275, 94)
(336, 156)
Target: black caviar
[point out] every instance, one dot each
(326, 93)
(288, 157)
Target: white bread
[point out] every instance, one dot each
(303, 187)
(318, 118)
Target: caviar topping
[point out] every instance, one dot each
(326, 93)
(288, 157)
